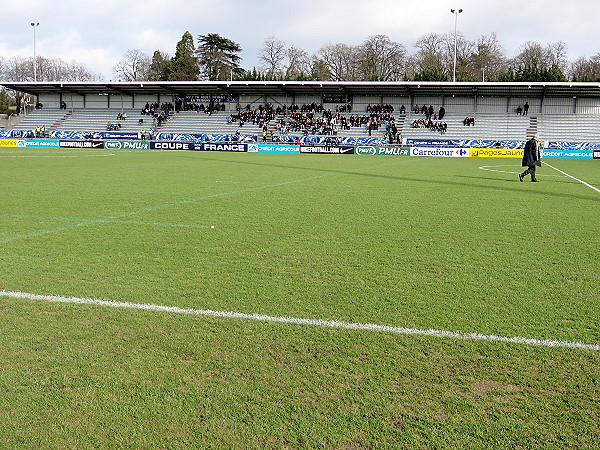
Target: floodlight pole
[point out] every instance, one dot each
(456, 13)
(34, 25)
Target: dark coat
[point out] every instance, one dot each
(531, 154)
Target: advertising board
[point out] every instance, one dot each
(127, 145)
(221, 147)
(496, 152)
(568, 154)
(81, 144)
(278, 148)
(596, 154)
(172, 145)
(8, 142)
(437, 151)
(378, 150)
(328, 149)
(37, 143)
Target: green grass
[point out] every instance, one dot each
(410, 242)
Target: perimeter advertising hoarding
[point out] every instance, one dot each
(275, 148)
(81, 144)
(170, 145)
(328, 149)
(377, 150)
(38, 143)
(8, 142)
(127, 145)
(568, 154)
(221, 147)
(496, 152)
(437, 151)
(596, 154)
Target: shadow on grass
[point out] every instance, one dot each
(541, 192)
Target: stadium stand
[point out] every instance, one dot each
(561, 111)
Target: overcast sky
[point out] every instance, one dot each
(98, 33)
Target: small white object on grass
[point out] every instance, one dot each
(212, 226)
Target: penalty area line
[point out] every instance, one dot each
(309, 322)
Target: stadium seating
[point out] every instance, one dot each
(488, 125)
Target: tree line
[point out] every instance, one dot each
(378, 58)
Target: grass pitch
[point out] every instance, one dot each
(409, 242)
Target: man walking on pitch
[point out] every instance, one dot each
(531, 158)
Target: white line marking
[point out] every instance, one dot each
(311, 322)
(571, 176)
(184, 202)
(511, 172)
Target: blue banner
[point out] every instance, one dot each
(221, 147)
(278, 148)
(567, 154)
(38, 143)
(172, 145)
(574, 145)
(464, 143)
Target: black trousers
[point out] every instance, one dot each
(530, 170)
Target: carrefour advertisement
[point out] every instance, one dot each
(568, 154)
(496, 152)
(437, 151)
(378, 150)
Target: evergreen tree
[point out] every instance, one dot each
(184, 65)
(218, 57)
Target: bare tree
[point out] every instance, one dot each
(298, 63)
(272, 56)
(487, 60)
(339, 59)
(133, 67)
(431, 57)
(381, 59)
(556, 55)
(586, 69)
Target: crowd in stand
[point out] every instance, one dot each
(380, 108)
(150, 109)
(113, 126)
(439, 126)
(433, 120)
(469, 121)
(257, 116)
(211, 108)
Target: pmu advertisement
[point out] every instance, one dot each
(377, 150)
(496, 152)
(437, 151)
(127, 145)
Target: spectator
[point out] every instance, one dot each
(525, 108)
(519, 110)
